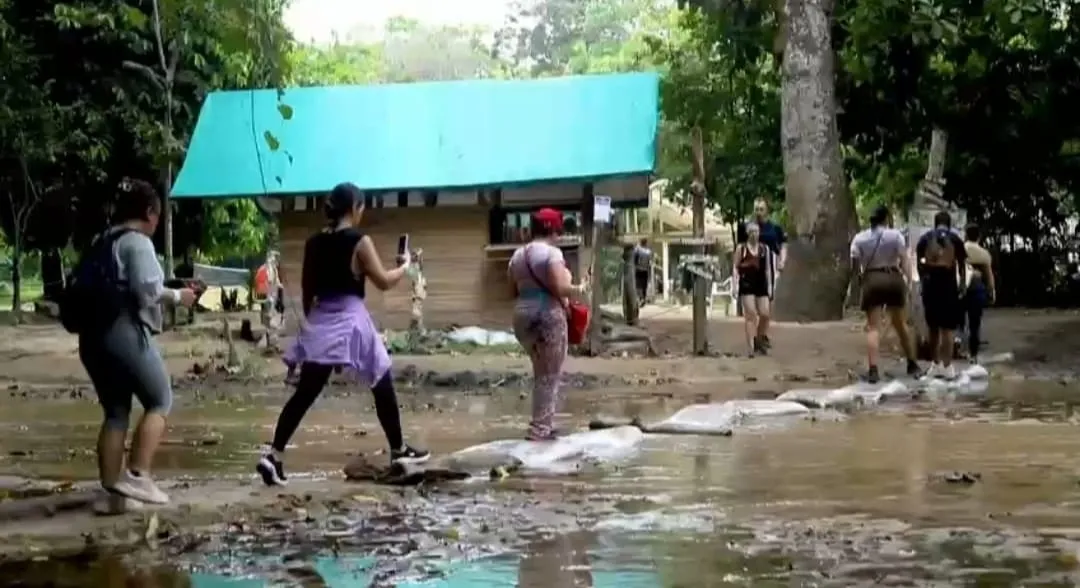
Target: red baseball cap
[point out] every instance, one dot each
(549, 218)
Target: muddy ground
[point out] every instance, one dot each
(48, 420)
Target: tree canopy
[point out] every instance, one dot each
(82, 104)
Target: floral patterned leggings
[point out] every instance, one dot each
(542, 332)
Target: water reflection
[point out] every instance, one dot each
(765, 506)
(561, 561)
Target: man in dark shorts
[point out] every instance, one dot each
(942, 269)
(879, 254)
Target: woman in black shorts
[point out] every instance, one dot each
(751, 262)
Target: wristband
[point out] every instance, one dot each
(175, 296)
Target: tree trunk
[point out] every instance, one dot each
(631, 304)
(52, 274)
(814, 283)
(16, 274)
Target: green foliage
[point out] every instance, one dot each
(81, 98)
(102, 90)
(234, 228)
(720, 76)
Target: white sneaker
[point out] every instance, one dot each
(934, 371)
(141, 488)
(114, 504)
(949, 373)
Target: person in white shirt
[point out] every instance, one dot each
(879, 256)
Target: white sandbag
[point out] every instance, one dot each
(994, 358)
(719, 418)
(562, 454)
(962, 385)
(857, 393)
(818, 397)
(975, 372)
(481, 337)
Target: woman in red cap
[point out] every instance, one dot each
(541, 282)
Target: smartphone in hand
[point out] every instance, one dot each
(403, 245)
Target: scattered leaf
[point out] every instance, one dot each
(152, 525)
(271, 141)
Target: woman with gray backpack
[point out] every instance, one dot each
(113, 301)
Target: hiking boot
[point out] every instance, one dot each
(409, 454)
(872, 375)
(272, 470)
(913, 369)
(140, 487)
(759, 345)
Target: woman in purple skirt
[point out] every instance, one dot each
(338, 332)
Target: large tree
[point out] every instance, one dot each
(821, 210)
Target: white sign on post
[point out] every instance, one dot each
(602, 209)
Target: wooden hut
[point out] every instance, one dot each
(457, 165)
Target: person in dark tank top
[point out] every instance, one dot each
(338, 332)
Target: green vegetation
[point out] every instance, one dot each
(92, 91)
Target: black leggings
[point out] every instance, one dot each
(313, 378)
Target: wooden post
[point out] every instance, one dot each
(418, 295)
(593, 236)
(631, 304)
(665, 268)
(701, 341)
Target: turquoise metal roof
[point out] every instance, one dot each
(431, 135)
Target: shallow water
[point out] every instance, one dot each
(863, 501)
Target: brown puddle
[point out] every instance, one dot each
(871, 499)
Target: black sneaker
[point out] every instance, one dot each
(765, 343)
(760, 346)
(913, 369)
(872, 376)
(409, 454)
(271, 470)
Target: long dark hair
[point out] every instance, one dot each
(341, 201)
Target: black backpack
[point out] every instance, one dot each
(93, 296)
(940, 250)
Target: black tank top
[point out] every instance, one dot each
(751, 263)
(328, 264)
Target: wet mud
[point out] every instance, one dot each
(938, 491)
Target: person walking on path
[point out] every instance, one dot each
(541, 282)
(942, 261)
(338, 332)
(642, 270)
(752, 261)
(120, 276)
(879, 256)
(981, 288)
(773, 236)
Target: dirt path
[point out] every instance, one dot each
(64, 521)
(44, 354)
